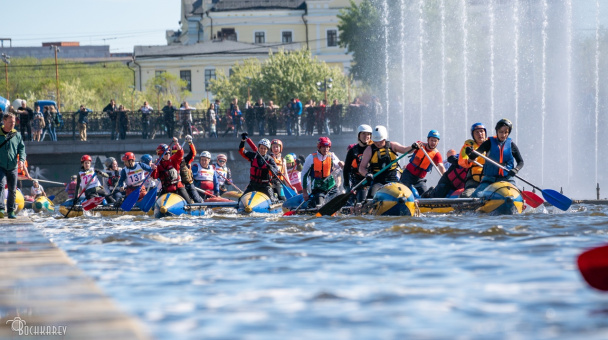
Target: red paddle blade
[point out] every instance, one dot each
(91, 203)
(593, 265)
(289, 213)
(532, 199)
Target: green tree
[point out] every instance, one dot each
(170, 86)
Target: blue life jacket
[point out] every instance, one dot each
(500, 153)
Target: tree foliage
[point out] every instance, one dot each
(163, 87)
(284, 75)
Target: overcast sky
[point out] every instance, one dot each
(122, 23)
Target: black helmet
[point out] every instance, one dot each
(504, 122)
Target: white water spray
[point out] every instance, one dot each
(386, 58)
(403, 63)
(443, 71)
(569, 83)
(465, 64)
(492, 23)
(421, 58)
(544, 92)
(516, 63)
(597, 81)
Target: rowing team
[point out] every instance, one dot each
(275, 176)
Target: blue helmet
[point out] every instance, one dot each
(146, 159)
(478, 126)
(433, 133)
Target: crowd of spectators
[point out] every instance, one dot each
(258, 117)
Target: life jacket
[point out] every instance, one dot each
(322, 169)
(381, 157)
(259, 172)
(88, 179)
(357, 151)
(205, 174)
(457, 176)
(475, 171)
(185, 172)
(135, 175)
(168, 175)
(222, 173)
(71, 189)
(22, 172)
(500, 153)
(419, 164)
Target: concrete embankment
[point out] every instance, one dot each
(44, 295)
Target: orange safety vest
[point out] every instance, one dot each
(419, 164)
(322, 169)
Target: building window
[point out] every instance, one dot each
(209, 74)
(187, 76)
(260, 38)
(287, 37)
(159, 73)
(227, 34)
(332, 38)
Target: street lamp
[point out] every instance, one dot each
(324, 86)
(7, 60)
(132, 93)
(158, 89)
(56, 48)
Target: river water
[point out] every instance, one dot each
(267, 277)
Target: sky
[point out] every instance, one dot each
(121, 24)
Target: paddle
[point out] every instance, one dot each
(593, 265)
(205, 192)
(50, 182)
(130, 201)
(92, 203)
(78, 198)
(430, 159)
(289, 192)
(148, 200)
(292, 212)
(339, 201)
(553, 197)
(531, 198)
(229, 182)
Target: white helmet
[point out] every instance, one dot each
(379, 134)
(364, 128)
(264, 142)
(206, 154)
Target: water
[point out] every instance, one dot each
(228, 277)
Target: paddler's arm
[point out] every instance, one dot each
(367, 156)
(307, 166)
(242, 150)
(396, 147)
(216, 184)
(463, 158)
(348, 168)
(517, 155)
(484, 147)
(192, 153)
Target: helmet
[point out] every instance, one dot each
(277, 141)
(504, 122)
(161, 149)
(128, 156)
(146, 158)
(174, 148)
(364, 128)
(379, 134)
(222, 156)
(265, 142)
(293, 155)
(86, 158)
(206, 154)
(433, 133)
(477, 126)
(109, 161)
(324, 141)
(289, 159)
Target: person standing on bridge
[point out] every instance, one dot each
(12, 153)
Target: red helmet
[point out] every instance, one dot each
(324, 141)
(128, 156)
(161, 149)
(174, 148)
(277, 141)
(86, 158)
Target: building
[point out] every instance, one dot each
(216, 34)
(71, 51)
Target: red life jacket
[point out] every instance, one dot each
(259, 172)
(419, 164)
(457, 175)
(169, 176)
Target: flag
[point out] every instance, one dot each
(91, 203)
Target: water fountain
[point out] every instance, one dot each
(539, 64)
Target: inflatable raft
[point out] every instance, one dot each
(43, 204)
(103, 210)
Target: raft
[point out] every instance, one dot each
(174, 205)
(19, 200)
(103, 210)
(257, 202)
(43, 204)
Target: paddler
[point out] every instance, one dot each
(276, 147)
(223, 172)
(261, 165)
(88, 180)
(353, 160)
(420, 165)
(168, 170)
(185, 172)
(293, 174)
(111, 182)
(502, 150)
(206, 176)
(479, 135)
(133, 175)
(319, 166)
(453, 179)
(37, 190)
(378, 155)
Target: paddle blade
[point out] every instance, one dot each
(130, 201)
(593, 265)
(289, 213)
(556, 199)
(147, 202)
(334, 205)
(52, 197)
(289, 193)
(532, 199)
(92, 203)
